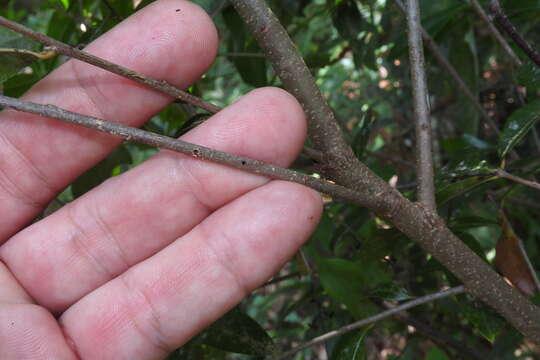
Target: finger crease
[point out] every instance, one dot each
(99, 112)
(82, 247)
(15, 190)
(225, 261)
(111, 238)
(157, 341)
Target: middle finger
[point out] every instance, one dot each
(132, 216)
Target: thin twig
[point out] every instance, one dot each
(477, 351)
(495, 33)
(416, 221)
(242, 54)
(511, 30)
(356, 325)
(144, 137)
(503, 174)
(70, 51)
(424, 146)
(390, 159)
(524, 202)
(313, 154)
(433, 47)
(289, 65)
(279, 279)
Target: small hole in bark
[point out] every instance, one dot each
(195, 152)
(243, 163)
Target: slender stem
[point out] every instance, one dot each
(523, 202)
(416, 221)
(241, 54)
(356, 325)
(70, 51)
(495, 33)
(424, 146)
(464, 351)
(288, 64)
(313, 154)
(432, 46)
(505, 175)
(279, 279)
(144, 137)
(511, 30)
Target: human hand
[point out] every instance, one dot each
(136, 267)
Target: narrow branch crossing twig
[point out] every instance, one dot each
(144, 137)
(64, 49)
(511, 30)
(505, 175)
(356, 325)
(495, 33)
(424, 152)
(432, 46)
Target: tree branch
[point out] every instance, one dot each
(414, 220)
(505, 175)
(144, 137)
(424, 148)
(477, 351)
(433, 47)
(495, 33)
(281, 52)
(372, 319)
(511, 30)
(67, 50)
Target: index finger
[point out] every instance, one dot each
(170, 40)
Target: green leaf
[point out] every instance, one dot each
(517, 126)
(251, 69)
(450, 191)
(350, 346)
(472, 243)
(468, 222)
(360, 33)
(101, 172)
(462, 55)
(12, 61)
(15, 54)
(11, 39)
(436, 354)
(529, 76)
(351, 283)
(486, 321)
(237, 332)
(121, 8)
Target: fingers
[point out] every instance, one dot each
(172, 40)
(132, 216)
(162, 302)
(30, 332)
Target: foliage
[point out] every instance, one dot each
(357, 50)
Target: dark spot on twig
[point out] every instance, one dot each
(243, 162)
(177, 10)
(195, 152)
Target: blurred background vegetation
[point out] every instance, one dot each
(356, 265)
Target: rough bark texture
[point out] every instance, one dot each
(417, 222)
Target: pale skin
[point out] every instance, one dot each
(139, 265)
